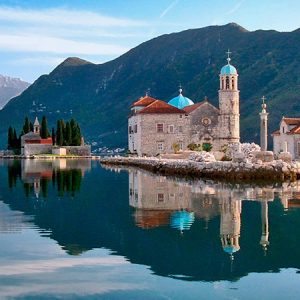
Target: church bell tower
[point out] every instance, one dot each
(229, 118)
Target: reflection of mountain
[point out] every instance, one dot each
(98, 216)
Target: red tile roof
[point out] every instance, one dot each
(144, 101)
(295, 130)
(291, 121)
(160, 107)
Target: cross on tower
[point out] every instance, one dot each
(228, 56)
(180, 88)
(263, 99)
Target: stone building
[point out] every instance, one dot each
(154, 126)
(287, 137)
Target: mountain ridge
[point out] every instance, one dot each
(99, 95)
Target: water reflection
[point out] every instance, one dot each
(189, 230)
(160, 201)
(37, 174)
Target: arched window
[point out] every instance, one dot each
(232, 83)
(227, 83)
(222, 84)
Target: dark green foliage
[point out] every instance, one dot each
(31, 126)
(206, 147)
(26, 126)
(44, 128)
(12, 140)
(59, 133)
(268, 63)
(68, 135)
(53, 136)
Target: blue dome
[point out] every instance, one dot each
(228, 70)
(180, 101)
(182, 220)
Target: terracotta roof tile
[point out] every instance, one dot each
(160, 107)
(291, 121)
(295, 130)
(144, 101)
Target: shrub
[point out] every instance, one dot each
(207, 147)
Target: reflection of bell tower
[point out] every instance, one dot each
(37, 187)
(230, 225)
(264, 241)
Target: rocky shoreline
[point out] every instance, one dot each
(276, 170)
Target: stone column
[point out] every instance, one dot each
(264, 127)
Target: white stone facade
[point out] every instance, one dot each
(155, 126)
(287, 138)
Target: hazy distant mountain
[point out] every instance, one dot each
(99, 96)
(10, 87)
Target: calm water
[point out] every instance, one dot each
(74, 230)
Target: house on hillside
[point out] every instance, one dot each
(287, 137)
(154, 126)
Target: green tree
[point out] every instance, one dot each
(59, 133)
(10, 138)
(76, 133)
(26, 126)
(44, 129)
(16, 141)
(53, 136)
(68, 134)
(31, 126)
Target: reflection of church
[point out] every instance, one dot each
(159, 201)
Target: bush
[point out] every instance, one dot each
(194, 147)
(207, 147)
(176, 147)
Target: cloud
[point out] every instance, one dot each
(39, 43)
(65, 17)
(172, 5)
(235, 8)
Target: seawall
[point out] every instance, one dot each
(224, 170)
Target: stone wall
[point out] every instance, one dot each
(147, 139)
(78, 150)
(32, 149)
(204, 126)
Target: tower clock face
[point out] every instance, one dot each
(206, 121)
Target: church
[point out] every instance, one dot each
(155, 126)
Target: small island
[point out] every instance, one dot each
(35, 140)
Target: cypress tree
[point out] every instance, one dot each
(26, 126)
(44, 129)
(10, 138)
(68, 136)
(16, 140)
(31, 126)
(53, 137)
(59, 133)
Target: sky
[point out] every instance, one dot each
(37, 35)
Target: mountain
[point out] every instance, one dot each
(10, 87)
(99, 96)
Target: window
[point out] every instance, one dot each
(180, 116)
(160, 197)
(222, 84)
(171, 128)
(180, 145)
(160, 127)
(160, 146)
(232, 82)
(135, 128)
(180, 129)
(227, 83)
(282, 129)
(129, 129)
